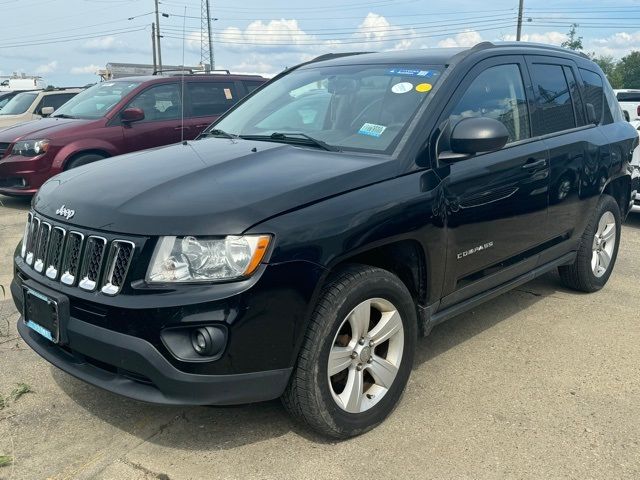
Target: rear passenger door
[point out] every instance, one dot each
(575, 148)
(207, 101)
(497, 201)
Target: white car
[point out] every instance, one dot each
(629, 101)
(28, 106)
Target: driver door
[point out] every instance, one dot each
(162, 124)
(496, 201)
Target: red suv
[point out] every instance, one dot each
(113, 118)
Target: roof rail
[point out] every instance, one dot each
(179, 70)
(538, 45)
(331, 56)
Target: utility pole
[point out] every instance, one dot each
(212, 61)
(153, 44)
(158, 37)
(519, 31)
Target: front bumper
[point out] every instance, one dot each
(24, 176)
(124, 353)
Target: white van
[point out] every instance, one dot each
(33, 105)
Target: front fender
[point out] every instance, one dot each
(83, 145)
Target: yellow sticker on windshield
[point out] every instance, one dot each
(423, 87)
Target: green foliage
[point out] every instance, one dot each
(5, 460)
(609, 66)
(19, 391)
(628, 70)
(574, 42)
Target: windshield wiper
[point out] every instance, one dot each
(62, 115)
(216, 132)
(287, 138)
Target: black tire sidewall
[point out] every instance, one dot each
(82, 160)
(379, 285)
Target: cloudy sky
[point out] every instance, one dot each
(66, 41)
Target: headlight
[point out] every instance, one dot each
(200, 259)
(30, 148)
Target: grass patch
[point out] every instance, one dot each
(5, 460)
(19, 391)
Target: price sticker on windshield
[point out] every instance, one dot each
(372, 130)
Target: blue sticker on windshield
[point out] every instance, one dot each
(409, 72)
(372, 130)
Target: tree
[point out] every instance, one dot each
(574, 42)
(628, 70)
(609, 66)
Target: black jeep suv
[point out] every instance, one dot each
(301, 245)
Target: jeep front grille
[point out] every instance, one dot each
(74, 259)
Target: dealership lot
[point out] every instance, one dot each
(539, 383)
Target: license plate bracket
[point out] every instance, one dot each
(44, 313)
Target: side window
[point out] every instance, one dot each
(211, 98)
(251, 85)
(497, 93)
(578, 106)
(56, 100)
(628, 96)
(553, 98)
(158, 103)
(593, 91)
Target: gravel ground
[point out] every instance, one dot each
(541, 382)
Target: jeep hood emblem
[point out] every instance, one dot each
(65, 212)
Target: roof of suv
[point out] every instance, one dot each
(441, 56)
(189, 76)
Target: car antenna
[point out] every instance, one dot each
(184, 27)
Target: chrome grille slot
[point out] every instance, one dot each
(92, 262)
(54, 255)
(42, 245)
(31, 242)
(71, 260)
(118, 262)
(25, 236)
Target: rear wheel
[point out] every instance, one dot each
(85, 159)
(357, 354)
(598, 249)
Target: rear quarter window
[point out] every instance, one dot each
(628, 96)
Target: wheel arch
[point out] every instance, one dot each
(620, 189)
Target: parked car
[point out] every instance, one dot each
(629, 101)
(113, 118)
(300, 246)
(26, 106)
(6, 96)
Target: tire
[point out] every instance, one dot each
(81, 160)
(322, 402)
(600, 240)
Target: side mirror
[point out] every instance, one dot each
(475, 135)
(46, 111)
(131, 115)
(591, 114)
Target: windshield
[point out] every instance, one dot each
(18, 104)
(355, 107)
(97, 101)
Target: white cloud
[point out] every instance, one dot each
(47, 68)
(85, 70)
(108, 43)
(551, 38)
(617, 45)
(468, 38)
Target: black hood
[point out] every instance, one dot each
(206, 187)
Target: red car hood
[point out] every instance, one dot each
(36, 129)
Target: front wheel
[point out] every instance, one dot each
(598, 249)
(357, 354)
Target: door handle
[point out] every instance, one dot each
(203, 125)
(532, 163)
(181, 128)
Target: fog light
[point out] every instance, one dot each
(207, 341)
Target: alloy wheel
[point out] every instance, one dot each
(604, 242)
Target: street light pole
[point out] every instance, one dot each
(153, 45)
(519, 31)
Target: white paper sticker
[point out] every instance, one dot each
(402, 87)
